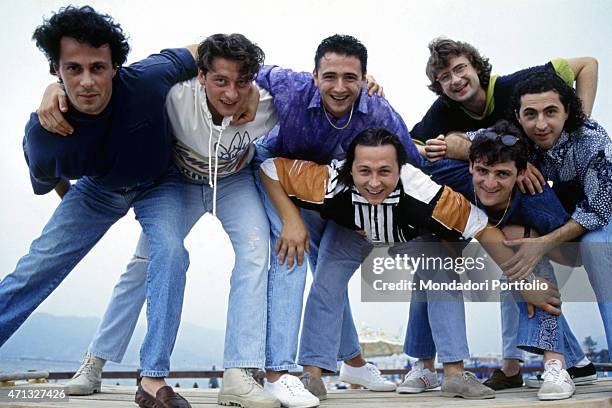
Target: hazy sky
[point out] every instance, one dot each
(512, 33)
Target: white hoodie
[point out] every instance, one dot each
(204, 151)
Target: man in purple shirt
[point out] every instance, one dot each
(319, 115)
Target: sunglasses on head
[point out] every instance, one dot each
(507, 140)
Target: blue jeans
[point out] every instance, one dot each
(286, 286)
(86, 212)
(596, 253)
(543, 332)
(243, 218)
(326, 319)
(436, 320)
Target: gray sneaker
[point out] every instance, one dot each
(419, 379)
(88, 378)
(465, 385)
(314, 385)
(240, 388)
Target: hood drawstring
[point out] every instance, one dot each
(212, 182)
(212, 177)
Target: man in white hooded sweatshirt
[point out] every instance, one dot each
(213, 156)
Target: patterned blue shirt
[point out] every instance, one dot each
(580, 167)
(304, 131)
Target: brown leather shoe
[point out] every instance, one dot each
(165, 398)
(499, 380)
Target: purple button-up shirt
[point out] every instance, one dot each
(305, 133)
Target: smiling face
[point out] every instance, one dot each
(87, 73)
(494, 183)
(339, 79)
(226, 88)
(460, 81)
(375, 172)
(542, 117)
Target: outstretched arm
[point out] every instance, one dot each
(586, 73)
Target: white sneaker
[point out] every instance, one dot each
(418, 379)
(88, 378)
(290, 391)
(557, 382)
(367, 376)
(240, 388)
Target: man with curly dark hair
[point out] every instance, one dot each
(120, 152)
(575, 154)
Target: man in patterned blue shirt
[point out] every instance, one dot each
(575, 154)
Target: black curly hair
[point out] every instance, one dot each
(342, 45)
(441, 49)
(493, 151)
(371, 137)
(235, 47)
(544, 82)
(85, 25)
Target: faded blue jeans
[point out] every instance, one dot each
(286, 285)
(243, 218)
(84, 215)
(436, 320)
(325, 318)
(543, 332)
(596, 253)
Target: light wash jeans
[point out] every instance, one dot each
(436, 319)
(543, 332)
(596, 253)
(326, 319)
(86, 212)
(242, 215)
(286, 286)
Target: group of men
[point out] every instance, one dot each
(205, 128)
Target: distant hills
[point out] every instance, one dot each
(65, 338)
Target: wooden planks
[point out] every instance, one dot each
(595, 396)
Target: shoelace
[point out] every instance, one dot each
(374, 370)
(470, 377)
(416, 372)
(87, 366)
(552, 373)
(249, 379)
(293, 385)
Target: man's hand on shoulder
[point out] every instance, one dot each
(531, 180)
(373, 86)
(51, 109)
(249, 108)
(193, 49)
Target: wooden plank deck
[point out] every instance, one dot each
(589, 396)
